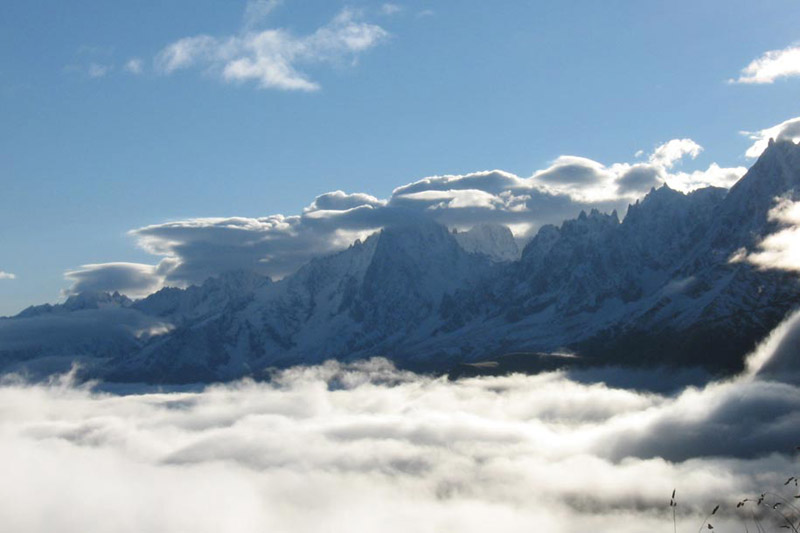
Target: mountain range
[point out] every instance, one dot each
(655, 288)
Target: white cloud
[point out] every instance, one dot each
(781, 250)
(340, 201)
(590, 181)
(365, 447)
(713, 176)
(776, 356)
(580, 178)
(391, 9)
(96, 70)
(133, 279)
(788, 130)
(669, 153)
(454, 199)
(134, 66)
(272, 57)
(185, 52)
(7, 275)
(772, 65)
(276, 245)
(256, 11)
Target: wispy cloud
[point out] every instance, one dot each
(391, 9)
(771, 66)
(134, 66)
(92, 61)
(7, 275)
(257, 11)
(97, 70)
(272, 57)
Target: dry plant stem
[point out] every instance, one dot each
(704, 521)
(673, 504)
(674, 522)
(789, 523)
(757, 523)
(785, 502)
(785, 518)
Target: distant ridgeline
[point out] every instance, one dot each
(658, 288)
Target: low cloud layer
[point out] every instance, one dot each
(365, 447)
(7, 275)
(63, 335)
(777, 355)
(781, 250)
(272, 58)
(771, 66)
(276, 245)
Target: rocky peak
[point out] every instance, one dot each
(742, 217)
(492, 240)
(96, 300)
(541, 243)
(776, 171)
(589, 226)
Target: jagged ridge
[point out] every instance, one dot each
(654, 288)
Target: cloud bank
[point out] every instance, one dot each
(781, 250)
(276, 245)
(273, 57)
(771, 66)
(365, 447)
(7, 275)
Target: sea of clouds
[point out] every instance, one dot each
(365, 447)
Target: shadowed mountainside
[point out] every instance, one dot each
(657, 288)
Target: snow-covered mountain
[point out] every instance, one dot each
(657, 287)
(492, 240)
(373, 297)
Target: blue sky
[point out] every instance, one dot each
(101, 134)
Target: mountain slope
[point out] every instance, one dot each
(492, 240)
(377, 295)
(657, 287)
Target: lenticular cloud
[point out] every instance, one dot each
(365, 447)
